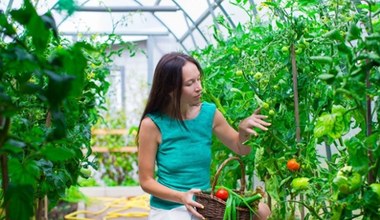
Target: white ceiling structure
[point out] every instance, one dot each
(189, 22)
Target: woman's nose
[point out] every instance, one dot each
(199, 86)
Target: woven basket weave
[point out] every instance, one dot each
(215, 207)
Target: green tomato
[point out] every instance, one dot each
(236, 49)
(355, 181)
(375, 187)
(342, 183)
(285, 49)
(85, 172)
(239, 72)
(347, 181)
(258, 75)
(271, 112)
(265, 105)
(300, 183)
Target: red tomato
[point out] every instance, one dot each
(293, 165)
(222, 194)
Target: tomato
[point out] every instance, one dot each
(293, 165)
(265, 105)
(347, 181)
(372, 196)
(285, 49)
(239, 72)
(355, 181)
(222, 194)
(236, 49)
(85, 172)
(258, 75)
(300, 183)
(271, 112)
(342, 183)
(375, 187)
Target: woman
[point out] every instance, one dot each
(175, 135)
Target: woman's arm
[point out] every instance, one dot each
(234, 139)
(149, 139)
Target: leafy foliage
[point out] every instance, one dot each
(51, 90)
(313, 68)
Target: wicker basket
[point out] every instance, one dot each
(215, 207)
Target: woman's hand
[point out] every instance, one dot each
(190, 204)
(255, 120)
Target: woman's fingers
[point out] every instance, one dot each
(194, 212)
(257, 111)
(255, 121)
(192, 205)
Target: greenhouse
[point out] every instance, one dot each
(203, 109)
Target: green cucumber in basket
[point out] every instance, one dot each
(248, 200)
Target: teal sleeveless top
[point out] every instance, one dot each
(184, 156)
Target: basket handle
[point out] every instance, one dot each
(242, 179)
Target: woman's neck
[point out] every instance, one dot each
(190, 111)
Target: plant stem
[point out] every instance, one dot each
(312, 211)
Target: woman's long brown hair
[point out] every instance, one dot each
(166, 90)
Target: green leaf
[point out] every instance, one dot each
(334, 35)
(57, 153)
(34, 25)
(67, 5)
(343, 48)
(13, 146)
(326, 76)
(24, 173)
(39, 32)
(21, 15)
(9, 30)
(308, 2)
(354, 32)
(58, 88)
(49, 21)
(19, 198)
(358, 155)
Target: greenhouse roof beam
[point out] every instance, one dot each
(253, 7)
(129, 9)
(211, 11)
(198, 22)
(226, 14)
(163, 24)
(190, 28)
(125, 33)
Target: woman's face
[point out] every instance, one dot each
(191, 84)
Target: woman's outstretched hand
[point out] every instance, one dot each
(246, 127)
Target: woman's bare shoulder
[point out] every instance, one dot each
(148, 124)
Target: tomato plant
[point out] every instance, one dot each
(320, 75)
